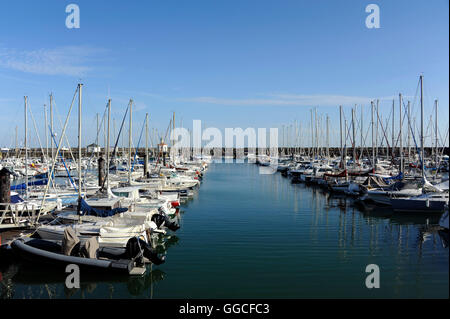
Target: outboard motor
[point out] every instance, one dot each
(162, 220)
(137, 249)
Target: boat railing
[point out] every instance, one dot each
(22, 214)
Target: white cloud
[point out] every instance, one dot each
(68, 60)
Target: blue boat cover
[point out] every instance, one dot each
(39, 182)
(399, 177)
(88, 210)
(16, 199)
(18, 187)
(39, 176)
(23, 186)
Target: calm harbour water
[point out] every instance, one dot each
(246, 235)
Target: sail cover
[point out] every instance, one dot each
(86, 209)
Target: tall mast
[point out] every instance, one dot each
(104, 131)
(80, 87)
(409, 132)
(107, 146)
(362, 136)
(340, 125)
(401, 135)
(393, 130)
(173, 139)
(317, 133)
(296, 136)
(354, 137)
(123, 145)
(52, 133)
(129, 141)
(46, 133)
(146, 139)
(96, 138)
(114, 134)
(376, 133)
(328, 137)
(436, 132)
(16, 142)
(345, 153)
(26, 146)
(299, 139)
(312, 136)
(373, 136)
(421, 127)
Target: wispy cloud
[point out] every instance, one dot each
(287, 99)
(68, 60)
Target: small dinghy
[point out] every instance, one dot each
(129, 260)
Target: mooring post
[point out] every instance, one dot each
(101, 171)
(5, 188)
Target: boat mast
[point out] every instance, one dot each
(104, 131)
(26, 146)
(80, 87)
(129, 141)
(361, 146)
(312, 137)
(345, 153)
(393, 131)
(317, 132)
(421, 127)
(409, 132)
(173, 139)
(354, 137)
(96, 140)
(340, 125)
(373, 136)
(436, 132)
(146, 140)
(296, 137)
(300, 145)
(114, 132)
(328, 137)
(46, 132)
(401, 135)
(16, 142)
(52, 133)
(376, 131)
(107, 147)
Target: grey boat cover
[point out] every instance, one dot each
(69, 241)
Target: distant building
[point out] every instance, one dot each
(94, 148)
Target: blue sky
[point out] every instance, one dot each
(229, 63)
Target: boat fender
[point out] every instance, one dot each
(59, 204)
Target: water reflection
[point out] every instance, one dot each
(21, 280)
(25, 280)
